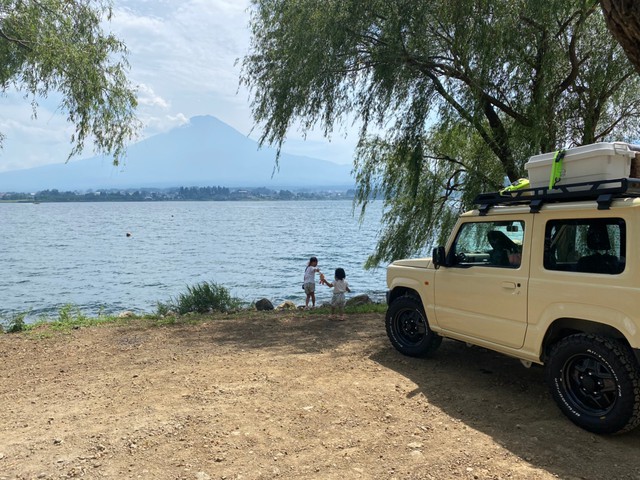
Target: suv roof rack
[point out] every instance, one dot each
(603, 191)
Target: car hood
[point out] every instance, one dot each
(414, 263)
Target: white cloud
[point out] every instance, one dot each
(192, 47)
(182, 56)
(148, 98)
(158, 124)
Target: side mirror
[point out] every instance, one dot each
(438, 257)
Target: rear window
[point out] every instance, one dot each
(586, 245)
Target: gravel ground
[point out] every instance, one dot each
(287, 395)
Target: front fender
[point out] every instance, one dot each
(408, 280)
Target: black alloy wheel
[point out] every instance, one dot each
(595, 382)
(408, 329)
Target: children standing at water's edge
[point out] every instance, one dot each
(340, 287)
(310, 281)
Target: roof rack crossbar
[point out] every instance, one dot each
(603, 191)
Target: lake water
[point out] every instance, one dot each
(54, 254)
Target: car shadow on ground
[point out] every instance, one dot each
(499, 397)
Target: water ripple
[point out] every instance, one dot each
(79, 253)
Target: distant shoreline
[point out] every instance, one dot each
(176, 194)
(174, 200)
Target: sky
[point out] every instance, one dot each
(183, 62)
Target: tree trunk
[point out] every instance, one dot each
(623, 20)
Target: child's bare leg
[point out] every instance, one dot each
(313, 299)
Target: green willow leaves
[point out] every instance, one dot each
(463, 91)
(59, 46)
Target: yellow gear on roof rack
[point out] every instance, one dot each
(517, 185)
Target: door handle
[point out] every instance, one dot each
(508, 285)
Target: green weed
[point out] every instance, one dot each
(17, 324)
(203, 297)
(71, 317)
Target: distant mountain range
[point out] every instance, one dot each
(203, 152)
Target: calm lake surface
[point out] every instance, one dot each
(54, 254)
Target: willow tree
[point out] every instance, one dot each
(463, 91)
(49, 46)
(623, 20)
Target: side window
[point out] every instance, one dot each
(595, 245)
(488, 244)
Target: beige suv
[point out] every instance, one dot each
(548, 277)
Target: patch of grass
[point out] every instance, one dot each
(164, 309)
(203, 297)
(16, 324)
(70, 316)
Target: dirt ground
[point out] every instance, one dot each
(282, 395)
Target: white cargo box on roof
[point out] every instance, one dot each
(588, 163)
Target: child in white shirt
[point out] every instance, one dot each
(340, 287)
(309, 285)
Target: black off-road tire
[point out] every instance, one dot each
(408, 329)
(595, 382)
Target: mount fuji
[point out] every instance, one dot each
(203, 152)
